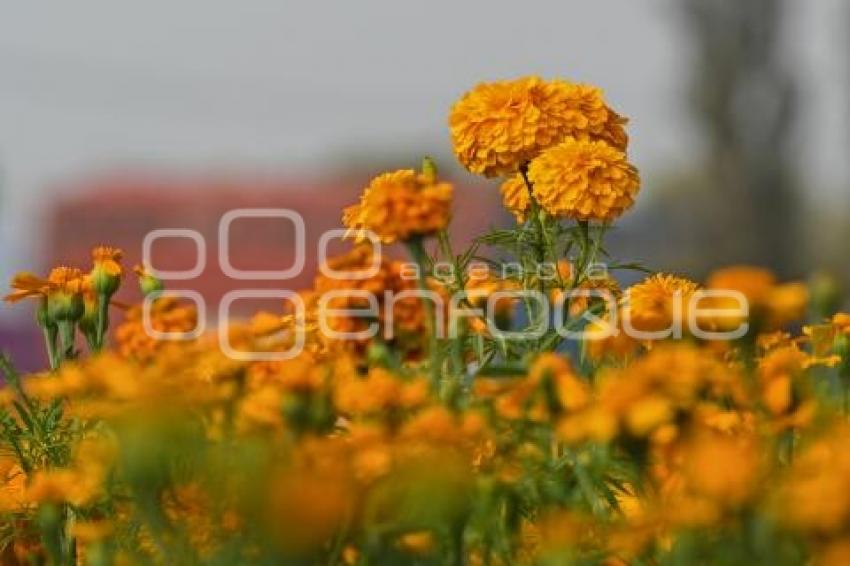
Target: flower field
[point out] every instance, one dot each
(508, 403)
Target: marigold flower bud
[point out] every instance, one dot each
(64, 296)
(147, 282)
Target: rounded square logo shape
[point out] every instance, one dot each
(360, 274)
(224, 326)
(185, 233)
(246, 274)
(200, 306)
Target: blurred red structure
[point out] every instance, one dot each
(120, 209)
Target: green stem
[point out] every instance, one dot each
(67, 334)
(50, 334)
(539, 244)
(458, 365)
(102, 321)
(417, 252)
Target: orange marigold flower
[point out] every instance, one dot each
(400, 205)
(723, 468)
(379, 393)
(657, 302)
(64, 291)
(584, 180)
(106, 273)
(167, 314)
(812, 496)
(498, 127)
(841, 322)
(26, 285)
(770, 304)
(753, 282)
(572, 391)
(606, 341)
(62, 281)
(108, 259)
(515, 197)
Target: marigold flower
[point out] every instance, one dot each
(770, 304)
(584, 180)
(498, 127)
(26, 285)
(753, 282)
(813, 497)
(62, 291)
(651, 393)
(65, 287)
(12, 485)
(167, 314)
(782, 379)
(404, 312)
(147, 282)
(658, 302)
(723, 468)
(605, 341)
(572, 392)
(400, 205)
(380, 392)
(480, 286)
(515, 197)
(106, 270)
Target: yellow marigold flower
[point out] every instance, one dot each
(400, 205)
(753, 282)
(82, 482)
(841, 322)
(652, 392)
(778, 371)
(787, 303)
(608, 342)
(770, 304)
(167, 314)
(408, 312)
(307, 505)
(655, 303)
(260, 410)
(498, 127)
(26, 285)
(649, 413)
(572, 391)
(480, 286)
(62, 291)
(106, 273)
(380, 392)
(12, 485)
(584, 180)
(65, 287)
(834, 552)
(515, 197)
(813, 496)
(723, 468)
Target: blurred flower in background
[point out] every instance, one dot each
(118, 120)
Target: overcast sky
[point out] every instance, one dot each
(89, 85)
